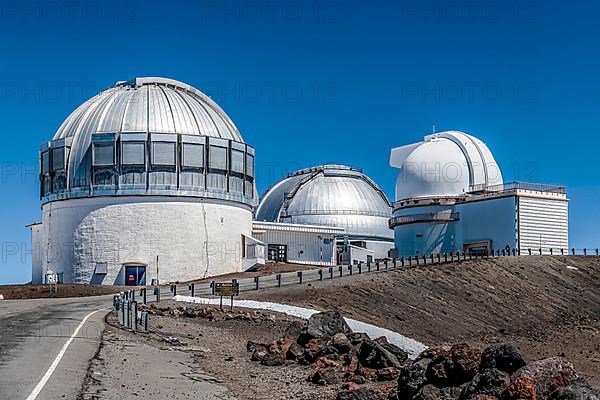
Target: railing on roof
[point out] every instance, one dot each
(511, 186)
(293, 213)
(424, 217)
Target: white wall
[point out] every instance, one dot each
(183, 232)
(543, 223)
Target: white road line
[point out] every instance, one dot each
(60, 355)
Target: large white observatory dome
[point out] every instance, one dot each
(448, 163)
(330, 195)
(148, 169)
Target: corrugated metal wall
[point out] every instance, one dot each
(543, 222)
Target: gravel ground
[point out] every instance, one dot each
(548, 306)
(214, 350)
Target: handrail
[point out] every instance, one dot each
(424, 217)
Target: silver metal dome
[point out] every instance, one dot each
(330, 195)
(158, 105)
(148, 136)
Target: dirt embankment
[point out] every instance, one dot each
(548, 306)
(43, 291)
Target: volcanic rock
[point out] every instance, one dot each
(504, 357)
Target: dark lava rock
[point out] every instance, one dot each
(251, 346)
(373, 355)
(326, 351)
(313, 346)
(548, 374)
(387, 374)
(454, 366)
(361, 393)
(412, 378)
(324, 324)
(357, 337)
(325, 377)
(504, 357)
(578, 390)
(295, 352)
(259, 353)
(341, 343)
(490, 381)
(273, 360)
(430, 392)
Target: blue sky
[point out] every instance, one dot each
(312, 82)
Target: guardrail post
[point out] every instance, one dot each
(596, 251)
(132, 294)
(192, 289)
(573, 250)
(584, 251)
(320, 274)
(424, 260)
(120, 312)
(330, 272)
(359, 268)
(143, 294)
(377, 265)
(157, 294)
(445, 257)
(409, 262)
(174, 290)
(439, 257)
(395, 262)
(550, 250)
(256, 279)
(529, 251)
(417, 259)
(134, 319)
(432, 258)
(341, 271)
(126, 315)
(562, 252)
(300, 277)
(402, 262)
(144, 321)
(212, 287)
(278, 276)
(368, 265)
(350, 269)
(385, 264)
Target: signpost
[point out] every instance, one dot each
(52, 280)
(228, 289)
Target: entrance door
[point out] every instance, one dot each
(135, 275)
(277, 252)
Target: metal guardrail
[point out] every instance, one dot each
(204, 289)
(510, 186)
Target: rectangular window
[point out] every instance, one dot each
(237, 161)
(163, 153)
(249, 165)
(133, 153)
(104, 154)
(193, 155)
(45, 162)
(58, 158)
(218, 158)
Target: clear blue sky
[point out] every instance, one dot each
(313, 82)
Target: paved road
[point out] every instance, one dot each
(32, 334)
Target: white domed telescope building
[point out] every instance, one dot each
(149, 179)
(451, 197)
(334, 196)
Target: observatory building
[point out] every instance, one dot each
(150, 179)
(450, 197)
(335, 196)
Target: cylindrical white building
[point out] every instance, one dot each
(148, 179)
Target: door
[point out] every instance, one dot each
(135, 275)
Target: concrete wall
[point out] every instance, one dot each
(192, 237)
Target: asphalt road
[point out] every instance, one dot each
(32, 335)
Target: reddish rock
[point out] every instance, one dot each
(548, 374)
(312, 347)
(324, 362)
(352, 366)
(368, 373)
(521, 389)
(280, 346)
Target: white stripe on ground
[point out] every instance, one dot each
(56, 361)
(411, 346)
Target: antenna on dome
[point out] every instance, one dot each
(433, 129)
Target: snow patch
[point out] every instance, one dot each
(572, 268)
(411, 346)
